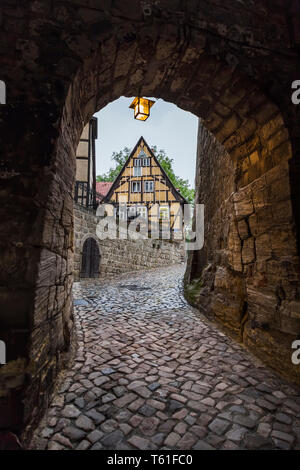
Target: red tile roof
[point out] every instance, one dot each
(103, 187)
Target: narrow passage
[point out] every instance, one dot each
(149, 373)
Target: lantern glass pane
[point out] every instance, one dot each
(142, 110)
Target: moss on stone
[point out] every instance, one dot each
(191, 291)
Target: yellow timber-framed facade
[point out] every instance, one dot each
(143, 189)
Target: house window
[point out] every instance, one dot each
(122, 212)
(137, 171)
(137, 162)
(164, 213)
(146, 161)
(149, 186)
(135, 186)
(132, 212)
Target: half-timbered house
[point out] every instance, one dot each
(143, 189)
(85, 188)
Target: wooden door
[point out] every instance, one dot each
(90, 259)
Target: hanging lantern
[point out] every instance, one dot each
(141, 108)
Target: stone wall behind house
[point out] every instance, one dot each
(121, 256)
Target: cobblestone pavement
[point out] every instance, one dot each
(150, 373)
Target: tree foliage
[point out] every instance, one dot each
(166, 162)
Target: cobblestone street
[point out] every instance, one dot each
(150, 373)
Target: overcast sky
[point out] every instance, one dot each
(168, 127)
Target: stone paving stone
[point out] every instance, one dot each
(62, 440)
(145, 373)
(147, 410)
(143, 392)
(264, 429)
(74, 434)
(139, 442)
(108, 371)
(112, 439)
(108, 397)
(156, 404)
(244, 421)
(70, 411)
(125, 428)
(236, 434)
(174, 405)
(100, 381)
(219, 426)
(94, 436)
(55, 446)
(283, 436)
(109, 426)
(187, 441)
(154, 386)
(181, 414)
(202, 445)
(95, 416)
(136, 404)
(84, 445)
(158, 439)
(180, 428)
(135, 384)
(172, 439)
(148, 426)
(277, 426)
(214, 440)
(256, 442)
(85, 423)
(47, 432)
(162, 416)
(97, 446)
(123, 416)
(167, 426)
(119, 391)
(124, 400)
(199, 431)
(284, 418)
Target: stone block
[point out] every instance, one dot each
(243, 229)
(248, 251)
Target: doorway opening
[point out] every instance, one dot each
(90, 262)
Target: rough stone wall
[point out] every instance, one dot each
(120, 256)
(246, 277)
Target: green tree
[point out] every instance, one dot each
(119, 158)
(166, 162)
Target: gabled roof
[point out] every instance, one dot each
(169, 182)
(103, 187)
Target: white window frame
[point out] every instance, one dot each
(122, 212)
(2, 92)
(132, 210)
(146, 183)
(137, 171)
(142, 211)
(137, 162)
(146, 161)
(136, 184)
(164, 210)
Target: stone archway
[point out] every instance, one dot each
(90, 259)
(95, 53)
